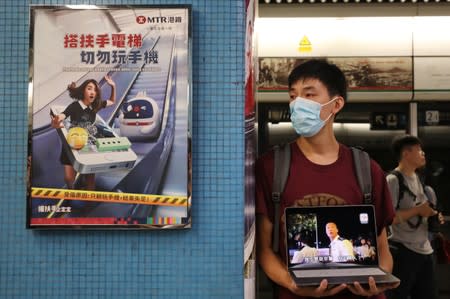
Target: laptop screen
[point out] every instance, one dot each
(331, 236)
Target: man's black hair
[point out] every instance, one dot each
(306, 237)
(327, 73)
(401, 142)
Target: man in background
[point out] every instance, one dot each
(410, 245)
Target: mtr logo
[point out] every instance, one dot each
(157, 20)
(141, 19)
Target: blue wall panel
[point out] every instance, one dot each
(202, 262)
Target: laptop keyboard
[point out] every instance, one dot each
(337, 272)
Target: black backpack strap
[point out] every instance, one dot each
(282, 162)
(402, 188)
(361, 161)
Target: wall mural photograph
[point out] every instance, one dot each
(362, 73)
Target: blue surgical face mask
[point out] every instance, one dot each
(305, 116)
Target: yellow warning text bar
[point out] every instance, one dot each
(129, 198)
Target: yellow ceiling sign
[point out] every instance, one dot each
(304, 45)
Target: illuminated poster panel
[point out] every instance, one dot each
(335, 37)
(110, 121)
(250, 153)
(431, 78)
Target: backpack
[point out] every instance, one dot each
(402, 188)
(282, 161)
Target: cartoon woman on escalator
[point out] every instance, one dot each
(82, 113)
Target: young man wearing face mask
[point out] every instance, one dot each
(321, 173)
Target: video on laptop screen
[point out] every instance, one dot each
(329, 235)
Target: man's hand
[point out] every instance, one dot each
(373, 290)
(425, 210)
(441, 218)
(321, 291)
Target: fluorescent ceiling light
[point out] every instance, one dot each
(82, 6)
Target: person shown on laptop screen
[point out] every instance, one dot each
(321, 172)
(341, 250)
(306, 251)
(364, 250)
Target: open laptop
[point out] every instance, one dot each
(351, 256)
